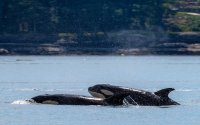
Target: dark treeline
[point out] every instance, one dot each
(78, 16)
(99, 26)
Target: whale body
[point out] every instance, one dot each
(136, 96)
(68, 99)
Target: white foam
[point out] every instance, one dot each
(22, 102)
(28, 89)
(187, 90)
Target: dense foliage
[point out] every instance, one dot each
(75, 16)
(99, 26)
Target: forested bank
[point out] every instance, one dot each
(99, 27)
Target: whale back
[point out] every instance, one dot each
(68, 99)
(137, 96)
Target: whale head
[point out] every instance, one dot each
(101, 91)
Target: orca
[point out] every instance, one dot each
(136, 96)
(68, 99)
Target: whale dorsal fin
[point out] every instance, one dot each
(164, 92)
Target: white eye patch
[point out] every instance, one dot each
(106, 92)
(50, 102)
(95, 94)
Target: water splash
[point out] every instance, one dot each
(129, 101)
(23, 102)
(187, 90)
(138, 38)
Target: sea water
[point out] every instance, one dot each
(23, 77)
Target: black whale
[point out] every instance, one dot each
(136, 96)
(67, 99)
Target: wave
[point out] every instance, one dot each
(28, 89)
(49, 90)
(187, 90)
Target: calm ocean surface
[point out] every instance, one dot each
(22, 77)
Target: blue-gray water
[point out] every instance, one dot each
(24, 77)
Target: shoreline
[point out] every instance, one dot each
(179, 43)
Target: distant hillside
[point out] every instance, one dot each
(99, 27)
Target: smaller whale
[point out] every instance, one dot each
(68, 99)
(136, 96)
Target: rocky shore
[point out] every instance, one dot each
(182, 43)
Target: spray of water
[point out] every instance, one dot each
(139, 38)
(130, 101)
(23, 102)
